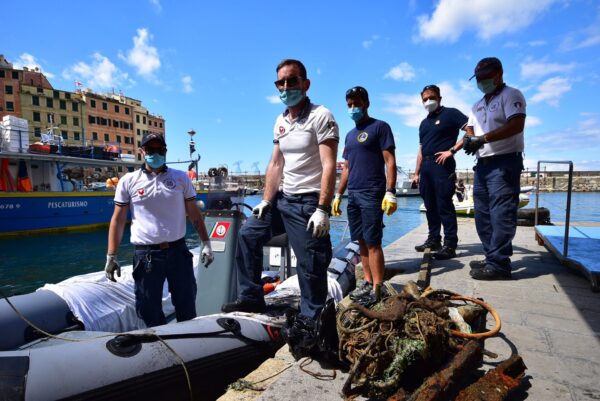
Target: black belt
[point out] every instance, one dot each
(162, 245)
(489, 159)
(429, 157)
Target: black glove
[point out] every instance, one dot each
(471, 144)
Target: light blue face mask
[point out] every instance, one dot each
(486, 86)
(155, 160)
(356, 113)
(291, 97)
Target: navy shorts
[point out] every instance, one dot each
(365, 217)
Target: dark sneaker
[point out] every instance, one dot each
(445, 253)
(488, 273)
(477, 264)
(429, 243)
(243, 306)
(363, 289)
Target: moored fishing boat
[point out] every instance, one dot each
(466, 207)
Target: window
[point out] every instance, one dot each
(51, 118)
(37, 132)
(15, 75)
(138, 131)
(106, 137)
(62, 104)
(8, 89)
(115, 123)
(139, 157)
(126, 110)
(160, 125)
(75, 106)
(116, 108)
(40, 90)
(94, 136)
(144, 120)
(55, 94)
(67, 95)
(49, 102)
(76, 121)
(76, 136)
(119, 138)
(36, 116)
(2, 75)
(91, 119)
(104, 106)
(64, 134)
(93, 103)
(35, 100)
(63, 120)
(10, 106)
(139, 144)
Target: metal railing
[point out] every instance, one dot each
(569, 190)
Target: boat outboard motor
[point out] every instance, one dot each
(223, 218)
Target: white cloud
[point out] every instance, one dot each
(551, 90)
(143, 56)
(29, 61)
(538, 69)
(488, 18)
(583, 38)
(401, 72)
(410, 106)
(156, 6)
(186, 81)
(273, 99)
(536, 43)
(532, 121)
(101, 73)
(369, 42)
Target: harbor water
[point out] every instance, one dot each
(30, 262)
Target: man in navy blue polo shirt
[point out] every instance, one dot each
(369, 153)
(436, 171)
(495, 135)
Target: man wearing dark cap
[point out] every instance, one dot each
(369, 154)
(435, 171)
(495, 136)
(159, 198)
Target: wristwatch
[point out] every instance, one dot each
(452, 150)
(392, 190)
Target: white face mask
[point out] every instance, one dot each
(430, 105)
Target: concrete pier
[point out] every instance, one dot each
(549, 316)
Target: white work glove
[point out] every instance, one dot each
(207, 254)
(389, 203)
(335, 206)
(260, 209)
(318, 223)
(112, 265)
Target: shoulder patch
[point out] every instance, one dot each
(331, 124)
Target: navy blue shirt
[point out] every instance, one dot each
(438, 132)
(364, 151)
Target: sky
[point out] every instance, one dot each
(210, 66)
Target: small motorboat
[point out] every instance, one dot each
(466, 207)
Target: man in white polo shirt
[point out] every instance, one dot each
(495, 136)
(305, 147)
(158, 198)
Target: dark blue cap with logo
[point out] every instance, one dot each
(487, 65)
(151, 136)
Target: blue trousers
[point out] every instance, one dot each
(436, 185)
(496, 195)
(150, 269)
(312, 254)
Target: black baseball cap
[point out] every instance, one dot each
(358, 91)
(151, 136)
(487, 65)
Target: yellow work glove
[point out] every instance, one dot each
(389, 203)
(335, 206)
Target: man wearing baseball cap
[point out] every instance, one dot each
(159, 198)
(495, 136)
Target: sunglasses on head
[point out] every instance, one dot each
(357, 90)
(291, 82)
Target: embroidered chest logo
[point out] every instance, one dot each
(169, 183)
(140, 192)
(494, 106)
(281, 130)
(362, 137)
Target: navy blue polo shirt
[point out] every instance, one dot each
(363, 150)
(439, 130)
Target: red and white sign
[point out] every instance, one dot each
(220, 229)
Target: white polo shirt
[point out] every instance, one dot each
(299, 143)
(157, 204)
(487, 116)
